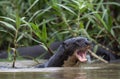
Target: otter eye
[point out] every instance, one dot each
(65, 45)
(88, 43)
(87, 39)
(78, 40)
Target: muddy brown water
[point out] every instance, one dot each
(86, 71)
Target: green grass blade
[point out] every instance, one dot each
(67, 8)
(36, 30)
(31, 6)
(44, 32)
(7, 18)
(20, 37)
(102, 21)
(8, 25)
(112, 3)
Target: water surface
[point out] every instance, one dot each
(94, 71)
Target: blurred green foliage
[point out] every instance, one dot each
(29, 22)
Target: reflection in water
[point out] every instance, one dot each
(108, 72)
(68, 73)
(64, 73)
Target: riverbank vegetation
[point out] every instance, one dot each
(32, 22)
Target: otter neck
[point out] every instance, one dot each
(57, 60)
(71, 61)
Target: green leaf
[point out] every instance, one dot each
(67, 8)
(35, 29)
(47, 21)
(112, 3)
(5, 31)
(81, 25)
(102, 21)
(7, 18)
(40, 13)
(35, 14)
(18, 22)
(35, 2)
(9, 26)
(44, 32)
(112, 32)
(20, 37)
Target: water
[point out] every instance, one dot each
(94, 71)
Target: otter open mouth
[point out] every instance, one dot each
(81, 54)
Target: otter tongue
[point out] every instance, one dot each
(81, 56)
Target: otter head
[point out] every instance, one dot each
(78, 47)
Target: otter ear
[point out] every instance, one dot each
(65, 45)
